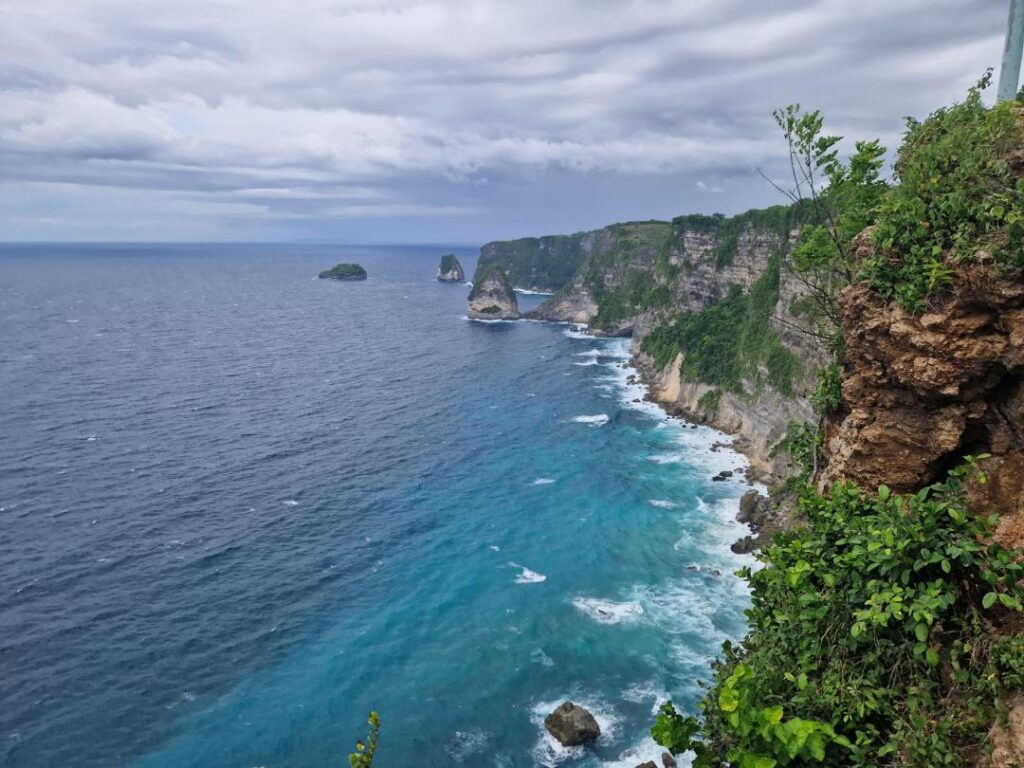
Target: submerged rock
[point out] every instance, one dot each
(668, 761)
(492, 297)
(344, 272)
(450, 270)
(572, 725)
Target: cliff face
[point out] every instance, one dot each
(638, 278)
(920, 392)
(537, 263)
(492, 297)
(450, 270)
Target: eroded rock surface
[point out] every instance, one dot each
(920, 392)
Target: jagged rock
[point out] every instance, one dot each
(920, 392)
(492, 297)
(725, 474)
(648, 764)
(744, 546)
(668, 761)
(572, 725)
(450, 270)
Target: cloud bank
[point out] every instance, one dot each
(454, 120)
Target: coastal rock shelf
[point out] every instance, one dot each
(344, 272)
(450, 270)
(492, 297)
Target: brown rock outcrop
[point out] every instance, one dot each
(921, 392)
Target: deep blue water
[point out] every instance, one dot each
(240, 507)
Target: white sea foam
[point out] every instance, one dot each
(667, 458)
(526, 576)
(608, 611)
(576, 331)
(543, 481)
(290, 503)
(646, 691)
(597, 420)
(480, 320)
(528, 292)
(537, 656)
(91, 438)
(664, 504)
(465, 744)
(588, 353)
(494, 548)
(586, 363)
(548, 751)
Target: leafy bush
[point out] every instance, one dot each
(365, 750)
(958, 195)
(870, 641)
(827, 397)
(709, 400)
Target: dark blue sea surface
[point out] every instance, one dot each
(240, 507)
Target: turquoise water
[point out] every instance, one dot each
(241, 507)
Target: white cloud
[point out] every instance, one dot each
(350, 105)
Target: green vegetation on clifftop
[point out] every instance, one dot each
(344, 272)
(731, 341)
(539, 264)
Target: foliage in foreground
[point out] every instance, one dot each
(363, 756)
(874, 640)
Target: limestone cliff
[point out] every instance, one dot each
(492, 297)
(642, 278)
(450, 270)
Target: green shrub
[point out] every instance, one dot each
(709, 400)
(365, 750)
(958, 195)
(827, 397)
(870, 640)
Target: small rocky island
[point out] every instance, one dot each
(344, 272)
(492, 297)
(450, 271)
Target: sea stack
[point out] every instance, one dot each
(344, 272)
(492, 297)
(450, 271)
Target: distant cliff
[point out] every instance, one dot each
(709, 306)
(542, 264)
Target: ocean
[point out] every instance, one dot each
(240, 507)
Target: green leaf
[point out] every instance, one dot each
(989, 600)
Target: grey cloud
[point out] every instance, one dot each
(322, 117)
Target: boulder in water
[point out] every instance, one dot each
(572, 725)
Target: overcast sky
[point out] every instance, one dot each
(454, 121)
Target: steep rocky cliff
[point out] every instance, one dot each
(450, 270)
(649, 279)
(492, 297)
(922, 391)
